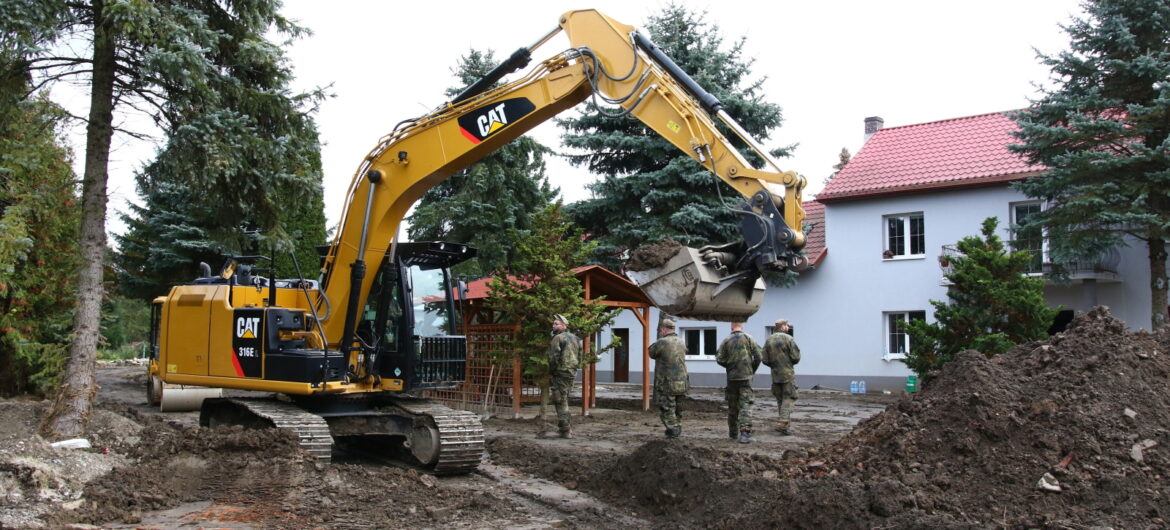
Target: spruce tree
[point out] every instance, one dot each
(539, 284)
(993, 305)
(648, 189)
(482, 203)
(1103, 132)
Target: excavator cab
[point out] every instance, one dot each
(408, 329)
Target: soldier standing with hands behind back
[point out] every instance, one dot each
(670, 376)
(781, 353)
(740, 355)
(564, 357)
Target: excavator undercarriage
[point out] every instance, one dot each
(437, 438)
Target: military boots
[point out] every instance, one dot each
(745, 437)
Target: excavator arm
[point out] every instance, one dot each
(608, 60)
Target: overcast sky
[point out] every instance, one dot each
(829, 65)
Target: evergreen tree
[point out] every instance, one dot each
(539, 284)
(173, 231)
(993, 305)
(480, 204)
(648, 189)
(185, 64)
(1104, 133)
(38, 237)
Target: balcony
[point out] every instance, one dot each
(1102, 269)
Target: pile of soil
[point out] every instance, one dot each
(36, 478)
(1086, 412)
(262, 478)
(653, 255)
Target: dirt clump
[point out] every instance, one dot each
(653, 255)
(1066, 433)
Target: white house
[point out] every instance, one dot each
(880, 227)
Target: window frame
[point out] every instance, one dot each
(703, 331)
(888, 333)
(907, 236)
(1037, 267)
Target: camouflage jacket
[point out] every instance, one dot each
(670, 370)
(781, 353)
(564, 353)
(740, 355)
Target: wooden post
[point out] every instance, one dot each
(644, 317)
(587, 387)
(516, 377)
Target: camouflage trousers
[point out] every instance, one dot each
(740, 399)
(559, 388)
(786, 399)
(668, 409)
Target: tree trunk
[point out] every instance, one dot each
(1158, 287)
(69, 414)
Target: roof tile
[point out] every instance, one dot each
(948, 153)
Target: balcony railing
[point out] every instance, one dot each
(1104, 267)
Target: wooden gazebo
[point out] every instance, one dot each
(493, 387)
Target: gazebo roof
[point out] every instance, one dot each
(599, 281)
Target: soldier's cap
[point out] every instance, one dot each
(561, 319)
(781, 322)
(667, 323)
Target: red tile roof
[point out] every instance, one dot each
(615, 287)
(814, 246)
(955, 153)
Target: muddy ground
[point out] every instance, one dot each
(1067, 433)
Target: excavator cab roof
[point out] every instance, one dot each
(433, 254)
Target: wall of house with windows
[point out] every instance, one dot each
(882, 269)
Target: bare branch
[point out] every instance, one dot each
(60, 62)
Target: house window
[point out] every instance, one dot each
(769, 330)
(1030, 239)
(700, 341)
(897, 340)
(905, 236)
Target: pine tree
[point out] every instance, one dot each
(1104, 133)
(648, 189)
(540, 284)
(993, 305)
(480, 204)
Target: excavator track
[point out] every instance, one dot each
(311, 429)
(460, 435)
(445, 441)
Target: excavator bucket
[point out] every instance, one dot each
(686, 286)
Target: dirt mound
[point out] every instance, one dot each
(1087, 412)
(653, 255)
(178, 464)
(1089, 407)
(261, 478)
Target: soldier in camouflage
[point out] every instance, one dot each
(740, 355)
(564, 358)
(670, 376)
(781, 353)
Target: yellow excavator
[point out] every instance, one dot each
(347, 354)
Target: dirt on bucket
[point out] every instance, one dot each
(653, 255)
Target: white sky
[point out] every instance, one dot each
(829, 65)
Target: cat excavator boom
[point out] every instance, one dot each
(347, 351)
